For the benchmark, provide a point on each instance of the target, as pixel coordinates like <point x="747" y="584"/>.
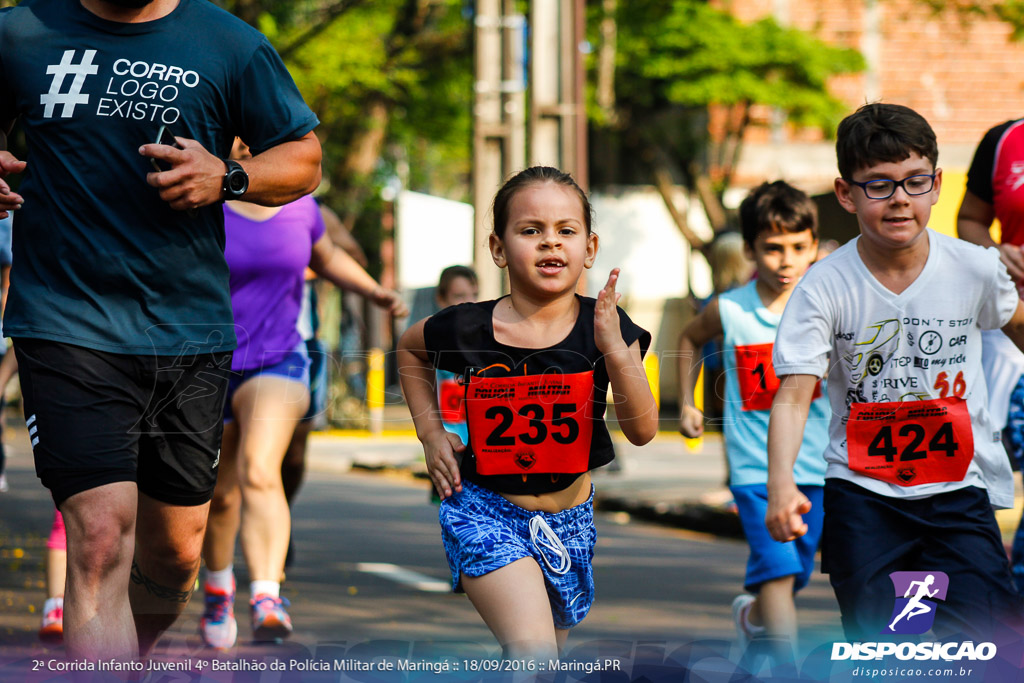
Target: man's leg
<point x="100" y="525"/>
<point x="163" y="574"/>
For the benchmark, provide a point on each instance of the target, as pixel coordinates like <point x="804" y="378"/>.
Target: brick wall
<point x="963" y="74"/>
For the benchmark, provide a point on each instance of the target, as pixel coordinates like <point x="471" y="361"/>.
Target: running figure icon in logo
<point x="908" y="608"/>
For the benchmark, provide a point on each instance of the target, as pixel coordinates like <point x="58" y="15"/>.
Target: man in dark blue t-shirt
<point x="119" y="304"/>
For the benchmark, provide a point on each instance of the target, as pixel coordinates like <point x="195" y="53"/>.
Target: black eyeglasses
<point x="883" y="189"/>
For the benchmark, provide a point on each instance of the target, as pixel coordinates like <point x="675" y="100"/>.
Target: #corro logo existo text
<point x="913" y="614"/>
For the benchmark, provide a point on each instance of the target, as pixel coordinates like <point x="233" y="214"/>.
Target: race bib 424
<point x="911" y="442"/>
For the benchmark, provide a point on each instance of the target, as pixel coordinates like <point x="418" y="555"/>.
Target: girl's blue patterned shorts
<point x="482" y="531"/>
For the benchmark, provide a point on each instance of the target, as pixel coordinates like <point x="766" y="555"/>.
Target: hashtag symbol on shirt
<point x="73" y="97"/>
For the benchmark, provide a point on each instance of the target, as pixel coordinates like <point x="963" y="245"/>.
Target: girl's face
<point x="545" y="246"/>
<point x="461" y="290"/>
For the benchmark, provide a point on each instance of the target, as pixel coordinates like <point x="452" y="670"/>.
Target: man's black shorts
<point x="97" y="418"/>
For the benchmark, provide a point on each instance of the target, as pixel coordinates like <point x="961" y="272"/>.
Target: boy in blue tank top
<point x="780" y="235"/>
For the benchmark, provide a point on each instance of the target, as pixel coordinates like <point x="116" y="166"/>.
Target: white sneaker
<point x="745" y="631"/>
<point x="4" y="486"/>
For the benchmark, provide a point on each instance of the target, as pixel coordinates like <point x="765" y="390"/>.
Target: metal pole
<point x="487" y="143"/>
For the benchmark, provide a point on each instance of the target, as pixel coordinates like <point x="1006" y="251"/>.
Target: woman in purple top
<point x="267" y="251"/>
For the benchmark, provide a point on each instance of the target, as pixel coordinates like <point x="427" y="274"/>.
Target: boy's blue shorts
<point x="482" y="532"/>
<point x="770" y="559"/>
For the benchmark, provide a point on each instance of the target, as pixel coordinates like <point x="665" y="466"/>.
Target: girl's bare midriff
<point x="577" y="493"/>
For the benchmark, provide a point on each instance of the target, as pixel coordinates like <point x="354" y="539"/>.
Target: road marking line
<point x="406" y="577"/>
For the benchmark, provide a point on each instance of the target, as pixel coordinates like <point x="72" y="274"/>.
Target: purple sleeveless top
<point x="268" y="260"/>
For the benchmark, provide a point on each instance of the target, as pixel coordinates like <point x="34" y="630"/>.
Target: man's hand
<point x="9" y="200"/>
<point x="196" y="177"/>
<point x="1012" y="257"/>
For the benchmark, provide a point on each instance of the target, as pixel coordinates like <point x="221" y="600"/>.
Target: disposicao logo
<point x="913" y="613"/>
<point x="916" y="592"/>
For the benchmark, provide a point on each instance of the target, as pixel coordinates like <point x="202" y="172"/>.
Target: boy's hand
<point x="607" y="334"/>
<point x="439" y="451"/>
<point x="785" y="509"/>
<point x="691" y="422"/>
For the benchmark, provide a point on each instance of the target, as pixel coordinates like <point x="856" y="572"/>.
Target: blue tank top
<point x="749" y="331"/>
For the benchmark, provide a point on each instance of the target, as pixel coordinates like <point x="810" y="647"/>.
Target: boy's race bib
<point x="911" y="442"/>
<point x="450" y="399"/>
<point x="756" y="377"/>
<point x="531" y="424"/>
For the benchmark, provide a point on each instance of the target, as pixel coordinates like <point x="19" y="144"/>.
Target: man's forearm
<point x="284" y="173"/>
<point x="973" y="231"/>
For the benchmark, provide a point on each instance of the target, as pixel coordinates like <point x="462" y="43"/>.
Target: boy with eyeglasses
<point x="914" y="464"/>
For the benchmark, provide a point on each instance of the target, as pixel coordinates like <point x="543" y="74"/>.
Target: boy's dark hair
<point x="532" y="175"/>
<point x="777" y="207"/>
<point x="883" y="133"/>
<point x="450" y="274"/>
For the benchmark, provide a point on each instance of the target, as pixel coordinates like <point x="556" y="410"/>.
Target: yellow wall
<point x="944" y="213"/>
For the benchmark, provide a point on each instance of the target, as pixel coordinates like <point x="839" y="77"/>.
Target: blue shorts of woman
<point x="294" y="366"/>
<point x="770" y="559"/>
<point x="482" y="532"/>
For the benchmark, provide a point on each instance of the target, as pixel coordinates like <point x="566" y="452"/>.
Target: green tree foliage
<point x="676" y="58"/>
<point x="391" y="81"/>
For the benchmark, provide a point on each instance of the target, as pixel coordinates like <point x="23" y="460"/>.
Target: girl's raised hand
<point x="607" y="334"/>
<point x="439" y="451"/>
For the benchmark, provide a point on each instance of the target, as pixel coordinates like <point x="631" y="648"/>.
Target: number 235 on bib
<point x="530" y="424"/>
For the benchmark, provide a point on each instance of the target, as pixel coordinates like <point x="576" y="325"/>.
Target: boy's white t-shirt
<point x="894" y="347"/>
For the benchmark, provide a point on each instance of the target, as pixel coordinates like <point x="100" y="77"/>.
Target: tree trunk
<point x="362" y="160"/>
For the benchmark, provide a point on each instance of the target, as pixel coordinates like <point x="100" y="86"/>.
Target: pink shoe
<point x="269" y="620"/>
<point x="52" y="630"/>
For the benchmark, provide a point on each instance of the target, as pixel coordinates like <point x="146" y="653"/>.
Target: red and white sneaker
<point x="217" y="625"/>
<point x="269" y="620"/>
<point x="52" y="630"/>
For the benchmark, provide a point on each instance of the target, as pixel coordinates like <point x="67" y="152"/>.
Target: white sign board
<point x="431" y="234"/>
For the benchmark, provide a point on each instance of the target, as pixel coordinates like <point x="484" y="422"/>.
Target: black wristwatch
<point x="236" y="180"/>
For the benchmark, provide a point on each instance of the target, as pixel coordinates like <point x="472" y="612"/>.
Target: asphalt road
<point x="370" y="584"/>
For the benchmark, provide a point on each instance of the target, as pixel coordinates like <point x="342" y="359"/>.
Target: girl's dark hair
<point x="449" y="275"/>
<point x="530" y="176"/>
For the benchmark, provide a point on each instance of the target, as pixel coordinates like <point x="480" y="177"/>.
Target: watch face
<point x="237" y="182"/>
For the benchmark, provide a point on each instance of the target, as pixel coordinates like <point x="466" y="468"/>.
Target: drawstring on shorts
<point x="544" y="538"/>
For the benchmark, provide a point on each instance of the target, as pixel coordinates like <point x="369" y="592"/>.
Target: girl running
<point x="517" y="516"/>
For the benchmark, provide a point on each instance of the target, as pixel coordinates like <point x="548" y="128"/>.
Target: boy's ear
<point x="497" y="250"/>
<point x="592" y="241"/>
<point x="937" y="187"/>
<point x="844" y="192"/>
<point x="748" y="251"/>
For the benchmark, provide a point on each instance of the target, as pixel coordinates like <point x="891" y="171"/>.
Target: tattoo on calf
<point x="156" y="590"/>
